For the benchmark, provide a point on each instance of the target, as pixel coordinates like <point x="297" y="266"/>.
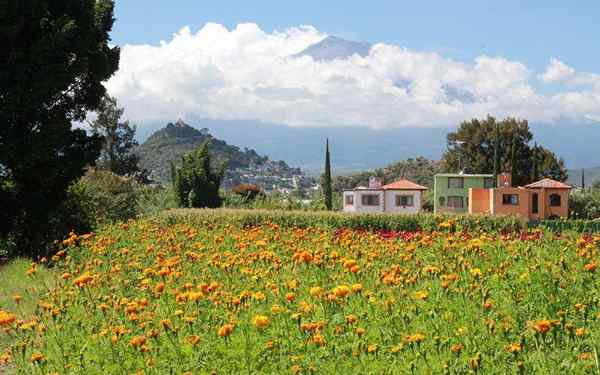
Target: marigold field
<point x="156" y="298"/>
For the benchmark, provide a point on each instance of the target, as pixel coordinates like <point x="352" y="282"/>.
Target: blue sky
<point x="530" y="31"/>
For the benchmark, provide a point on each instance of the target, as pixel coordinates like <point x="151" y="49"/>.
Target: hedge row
<point x="581" y="226"/>
<point x="335" y="220"/>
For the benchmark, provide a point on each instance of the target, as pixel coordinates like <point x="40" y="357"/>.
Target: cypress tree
<point x="513" y="158"/>
<point x="536" y="172"/>
<point x="327" y="191"/>
<point x="496" y="155"/>
<point x="583" y="179"/>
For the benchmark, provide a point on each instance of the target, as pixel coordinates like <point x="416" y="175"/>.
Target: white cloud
<point x="246" y="73"/>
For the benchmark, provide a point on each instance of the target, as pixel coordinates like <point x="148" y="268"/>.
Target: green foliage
<point x="105" y="198"/>
<point x="477" y="149"/>
<point x="196" y="182"/>
<point x="327" y="190"/>
<point x="334" y="220"/>
<point x="497" y="154"/>
<point x="419" y="170"/>
<point x="153" y="199"/>
<point x="118" y="140"/>
<point x="585" y="205"/>
<point x="55" y="57"/>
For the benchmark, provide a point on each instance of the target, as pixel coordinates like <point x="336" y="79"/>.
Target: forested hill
<point x="176" y="139"/>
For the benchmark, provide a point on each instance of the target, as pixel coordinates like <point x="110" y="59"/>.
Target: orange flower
<point x="350" y="319"/>
<point x="261" y="321"/>
<point x="290" y="297"/>
<point x="457" y="348"/>
<point x="194" y="340"/>
<point x="37" y="357"/>
<point x="226" y="330"/>
<point x="542" y="326"/>
<point x="416" y="338"/>
<point x="357" y="288"/>
<point x="316" y="291"/>
<point x="514" y="348"/>
<point x="17" y="298"/>
<point x="341" y="291"/>
<point x="7" y="318"/>
<point x="591" y="267"/>
<point x="84" y="279"/>
<point x="137" y="341"/>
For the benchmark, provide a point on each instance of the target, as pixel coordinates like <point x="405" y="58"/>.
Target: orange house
<point x="544" y="199"/>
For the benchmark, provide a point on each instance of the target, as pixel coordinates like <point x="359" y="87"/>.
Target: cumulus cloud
<point x="247" y="73"/>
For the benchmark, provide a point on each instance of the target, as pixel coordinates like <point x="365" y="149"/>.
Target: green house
<point x="451" y="190"/>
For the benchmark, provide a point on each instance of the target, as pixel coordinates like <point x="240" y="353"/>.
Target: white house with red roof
<point x="402" y="196"/>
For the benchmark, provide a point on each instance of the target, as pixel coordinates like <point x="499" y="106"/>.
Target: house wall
<point x="562" y="211"/>
<point x="345" y="207"/>
<point x="522" y="209"/>
<point x="480" y="202"/>
<point x="358" y="206"/>
<point x="442" y="190"/>
<point x="390" y="201"/>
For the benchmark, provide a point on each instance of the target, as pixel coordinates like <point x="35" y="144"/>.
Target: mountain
<point x="333" y="47"/>
<point x="168" y="144"/>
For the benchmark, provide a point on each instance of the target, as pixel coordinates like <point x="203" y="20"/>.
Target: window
<point x="535" y="203"/>
<point x="554" y="200"/>
<point x="488" y="182"/>
<point x="510" y="199"/>
<point x="404" y="201"/>
<point x="455" y="182"/>
<point x="442" y="201"/>
<point x="370" y="200"/>
<point x="349" y="200"/>
<point x="455" y="202"/>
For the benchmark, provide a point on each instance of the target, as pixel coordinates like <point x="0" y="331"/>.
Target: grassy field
<point x="20" y="294"/>
<point x="153" y="297"/>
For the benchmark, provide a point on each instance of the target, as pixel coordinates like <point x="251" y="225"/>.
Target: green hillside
<point x="591" y="175"/>
<point x="167" y="145"/>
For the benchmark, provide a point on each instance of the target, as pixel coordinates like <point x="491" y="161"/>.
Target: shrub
<point x="247" y="191"/>
<point x="102" y="197"/>
<point x="153" y="199"/>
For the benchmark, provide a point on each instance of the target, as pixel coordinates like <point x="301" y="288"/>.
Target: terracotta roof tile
<point x="403" y="185"/>
<point x="548" y="183"/>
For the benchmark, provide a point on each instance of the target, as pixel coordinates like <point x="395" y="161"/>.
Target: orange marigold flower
<point x="372" y="348"/>
<point x="260" y="321"/>
<point x="542" y="326"/>
<point x="137" y="341"/>
<point x="194" y="340"/>
<point x="84" y="279"/>
<point x="290" y="297"/>
<point x="159" y="288"/>
<point x="17" y="298"/>
<point x="416" y="338"/>
<point x="37" y="357"/>
<point x="350" y="319"/>
<point x="318" y="339"/>
<point x="7" y="318"/>
<point x="457" y="348"/>
<point x="591" y="267"/>
<point x="357" y="288"/>
<point x="514" y="348"/>
<point x="341" y="291"/>
<point x="226" y="330"/>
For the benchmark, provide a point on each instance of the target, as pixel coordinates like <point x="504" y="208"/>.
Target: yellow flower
<point x="316" y="291"/>
<point x="276" y="309"/>
<point x="416" y="338"/>
<point x="514" y="348"/>
<point x="421" y="295"/>
<point x="261" y="321"/>
<point x="357" y="288"/>
<point x="372" y="348"/>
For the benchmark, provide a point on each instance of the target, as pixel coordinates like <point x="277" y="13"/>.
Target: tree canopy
<point x="474" y="143"/>
<point x="54" y="59"/>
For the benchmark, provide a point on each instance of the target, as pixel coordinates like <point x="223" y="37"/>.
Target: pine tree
<point x="327" y="191"/>
<point x="583" y="179"/>
<point x="496" y="155"/>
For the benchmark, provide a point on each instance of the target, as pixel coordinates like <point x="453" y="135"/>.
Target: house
<point x="544" y="199"/>
<point x="451" y="190"/>
<point x="402" y="196"/>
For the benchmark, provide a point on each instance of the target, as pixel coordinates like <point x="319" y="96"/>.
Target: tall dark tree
<point x="583" y="179"/>
<point x="478" y="149"/>
<point x="327" y="189"/>
<point x="535" y="161"/>
<point x="496" y="154"/>
<point x="513" y="158"/>
<point x="118" y="139"/>
<point x="54" y="58"/>
<point x="196" y="181"/>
